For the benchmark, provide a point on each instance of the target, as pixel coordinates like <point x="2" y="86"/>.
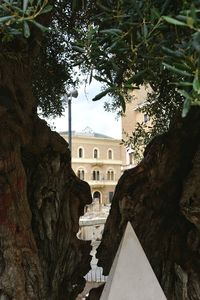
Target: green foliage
<point x="121" y="43"/>
<point x="23" y="21"/>
<point x="57" y="57"/>
<point x="184" y="58"/>
<point x="16" y="17"/>
<point x="140" y="136"/>
<point x="130" y="43"/>
<point x="160" y="111"/>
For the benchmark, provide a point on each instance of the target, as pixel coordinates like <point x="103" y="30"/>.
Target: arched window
<point x="96" y="196"/>
<point x="80" y="152"/>
<point x="95" y="153"/>
<point x="110" y="175"/>
<point x="110" y="154"/>
<point x="81" y="174"/>
<point x="96" y="175"/>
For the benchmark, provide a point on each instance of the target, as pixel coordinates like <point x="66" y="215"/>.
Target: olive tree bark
<point x="41" y="199"/>
<point x="161" y="199"/>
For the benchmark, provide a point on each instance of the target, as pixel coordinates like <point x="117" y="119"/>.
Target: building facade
<point x="97" y="159"/>
<point x="129" y="121"/>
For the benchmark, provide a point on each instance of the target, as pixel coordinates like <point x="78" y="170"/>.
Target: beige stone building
<point x="130" y="119"/>
<point x="97" y="159"/>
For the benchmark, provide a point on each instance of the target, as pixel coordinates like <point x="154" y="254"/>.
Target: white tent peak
<point x="131" y="276"/>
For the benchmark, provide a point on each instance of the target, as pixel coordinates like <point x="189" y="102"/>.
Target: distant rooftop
<point x="89" y="133"/>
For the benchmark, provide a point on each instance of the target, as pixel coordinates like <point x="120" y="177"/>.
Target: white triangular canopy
<point x="131" y="276"/>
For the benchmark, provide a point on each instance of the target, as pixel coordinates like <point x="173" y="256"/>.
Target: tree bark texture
<point x="41" y="199"/>
<point x="161" y="199"/>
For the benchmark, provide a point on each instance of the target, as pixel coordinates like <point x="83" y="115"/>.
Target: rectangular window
<point x="110" y="154"/>
<point x="80" y="152"/>
<point x="95" y="153"/>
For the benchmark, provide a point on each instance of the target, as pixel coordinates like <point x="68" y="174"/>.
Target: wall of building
<point x="130" y="119"/>
<point x="132" y="116"/>
<point x="98" y="162"/>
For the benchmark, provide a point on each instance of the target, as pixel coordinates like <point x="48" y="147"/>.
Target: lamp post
<point x="68" y="97"/>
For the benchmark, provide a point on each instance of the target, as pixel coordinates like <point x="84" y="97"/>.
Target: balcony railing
<point x="96" y="275"/>
<point x="98" y="183"/>
<point x="97" y="162"/>
<point x="101" y="183"/>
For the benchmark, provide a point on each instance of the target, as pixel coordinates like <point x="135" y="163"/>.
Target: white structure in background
<point x="93" y="221"/>
<point x="91" y="228"/>
<point x="131" y="276"/>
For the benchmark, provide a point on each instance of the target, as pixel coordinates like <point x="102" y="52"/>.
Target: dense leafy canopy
<point x="130" y="43"/>
<point x="126" y="38"/>
<point x="24" y="21"/>
<point x="121" y="43"/>
<point x="69" y="20"/>
<point x="16" y="17"/>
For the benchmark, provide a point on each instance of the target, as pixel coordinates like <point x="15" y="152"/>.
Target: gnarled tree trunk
<point x="41" y="199"/>
<point x="161" y="199"/>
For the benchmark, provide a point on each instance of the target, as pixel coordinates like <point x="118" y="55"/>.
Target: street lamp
<point x="68" y="98"/>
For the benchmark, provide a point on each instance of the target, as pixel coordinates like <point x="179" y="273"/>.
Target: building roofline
<point x="90" y="136"/>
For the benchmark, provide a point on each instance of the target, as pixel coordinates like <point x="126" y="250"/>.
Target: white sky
<point x="86" y="112"/>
